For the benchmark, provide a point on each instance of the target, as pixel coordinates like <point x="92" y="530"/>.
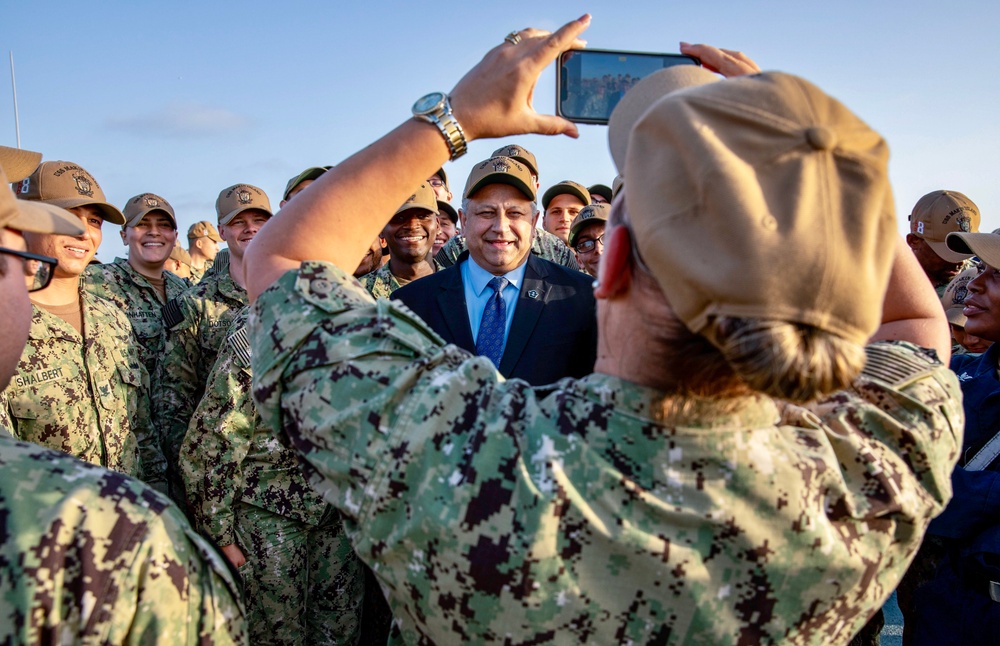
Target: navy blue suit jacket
<point x="554" y="331"/>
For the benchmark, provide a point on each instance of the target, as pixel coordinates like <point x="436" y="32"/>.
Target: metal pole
<point x="13" y="85"/>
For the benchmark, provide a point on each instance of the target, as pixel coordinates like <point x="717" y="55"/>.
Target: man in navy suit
<point x="545" y="328"/>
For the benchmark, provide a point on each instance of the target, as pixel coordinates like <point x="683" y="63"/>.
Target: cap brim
<point x="310" y="173"/>
<point x="564" y="189"/>
<point x="108" y="212"/>
<point x="501" y="178"/>
<point x="226" y="219"/>
<point x="643" y="95"/>
<point x="955" y="316"/>
<point x="18" y="164"/>
<point x="963" y="245"/>
<point x="139" y="216"/>
<point x="40" y="217"/>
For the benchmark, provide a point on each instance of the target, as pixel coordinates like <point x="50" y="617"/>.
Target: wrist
<point x="435" y="108"/>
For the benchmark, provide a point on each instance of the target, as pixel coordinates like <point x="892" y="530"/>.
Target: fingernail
<point x="585" y="17"/>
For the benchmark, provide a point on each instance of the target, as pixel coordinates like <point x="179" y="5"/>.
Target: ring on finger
<point x="513" y="37"/>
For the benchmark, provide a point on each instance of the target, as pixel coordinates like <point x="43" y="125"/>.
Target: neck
<point x="236" y="269"/>
<point x="149" y="271"/>
<point x="61" y="291"/>
<point x="197" y="260"/>
<point x="408" y="271"/>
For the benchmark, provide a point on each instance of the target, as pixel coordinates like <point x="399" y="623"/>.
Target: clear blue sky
<point x="183" y="99"/>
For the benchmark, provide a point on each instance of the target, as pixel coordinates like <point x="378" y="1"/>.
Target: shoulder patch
<point x="172" y="314"/>
<point x="898" y="363"/>
<point x="239" y="343"/>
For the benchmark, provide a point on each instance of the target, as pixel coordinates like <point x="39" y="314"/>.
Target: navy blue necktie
<point x="490" y="341"/>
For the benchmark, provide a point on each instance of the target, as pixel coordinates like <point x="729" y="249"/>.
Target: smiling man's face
<point x="73" y="252"/>
<point x="410" y="235"/>
<point x="498" y="223"/>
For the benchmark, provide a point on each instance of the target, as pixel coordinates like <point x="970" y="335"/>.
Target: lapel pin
<point x="532" y="293"/>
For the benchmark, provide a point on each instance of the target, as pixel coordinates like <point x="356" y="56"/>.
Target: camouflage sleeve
<point x="907" y="407"/>
<point x="154" y="463"/>
<point x="217" y="442"/>
<point x="6" y="419"/>
<point x="551" y="247"/>
<point x="449" y="253"/>
<point x="177" y="397"/>
<point x="110" y="560"/>
<point x="312" y="342"/>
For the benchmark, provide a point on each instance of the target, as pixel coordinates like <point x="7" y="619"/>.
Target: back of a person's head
<point x="762" y="209"/>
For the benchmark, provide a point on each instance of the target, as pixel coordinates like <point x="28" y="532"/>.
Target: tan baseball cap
<point x="953" y="299"/>
<point x="566" y="187"/>
<point x="309" y="173"/>
<point x="519" y="153"/>
<point x="939" y="213"/>
<point x="239" y="198"/>
<point x="137" y="207"/>
<point x="35" y="217"/>
<point x="500" y="170"/>
<point x="644" y="94"/>
<point x="617" y="185"/>
<point x="203" y="229"/>
<point x="67" y="185"/>
<point x="18" y="163"/>
<point x="984" y="245"/>
<point x="763" y="197"/>
<point x="423" y="198"/>
<point x="597" y="212"/>
<point x="181" y="255"/>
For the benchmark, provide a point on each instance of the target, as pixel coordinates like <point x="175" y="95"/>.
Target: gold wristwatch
<point x="436" y="108"/>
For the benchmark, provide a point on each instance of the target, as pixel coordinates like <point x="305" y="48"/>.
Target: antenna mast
<point x="13" y="85"/>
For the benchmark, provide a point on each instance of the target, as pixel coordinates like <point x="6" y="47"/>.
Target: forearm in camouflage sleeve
<point x="6" y="419"/>
<point x="178" y="393"/>
<point x="217" y="441"/>
<point x="154" y="463"/>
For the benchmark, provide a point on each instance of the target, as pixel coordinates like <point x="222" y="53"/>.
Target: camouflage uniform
<point x="197" y="274"/>
<point x="543" y="244"/>
<point x="196" y="323"/>
<point x="119" y="283"/>
<point x="597" y="510"/>
<point x="381" y="283"/>
<point x="88" y="556"/>
<point x="303" y="583"/>
<point x="88" y="397"/>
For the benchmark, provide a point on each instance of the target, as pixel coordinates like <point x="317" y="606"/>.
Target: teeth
<point x="77" y="249"/>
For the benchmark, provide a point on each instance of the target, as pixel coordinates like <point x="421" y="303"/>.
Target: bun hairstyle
<point x="790" y="361"/>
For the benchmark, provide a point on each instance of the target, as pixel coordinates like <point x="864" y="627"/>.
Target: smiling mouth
<point x="77" y="250"/>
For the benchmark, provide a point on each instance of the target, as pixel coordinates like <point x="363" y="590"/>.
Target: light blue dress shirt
<point x="475" y="281"/>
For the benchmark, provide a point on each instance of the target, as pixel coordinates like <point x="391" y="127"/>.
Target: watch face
<point x="428" y="102"/>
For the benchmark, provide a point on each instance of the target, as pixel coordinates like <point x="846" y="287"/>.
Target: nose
<point x="976" y="284"/>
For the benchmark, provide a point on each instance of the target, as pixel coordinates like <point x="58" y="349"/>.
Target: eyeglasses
<point x="589" y="245"/>
<point x="37" y="269"/>
<point x="435" y="182"/>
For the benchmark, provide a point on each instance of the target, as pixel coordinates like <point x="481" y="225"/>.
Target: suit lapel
<point x="452" y="308"/>
<point x="530" y="303"/>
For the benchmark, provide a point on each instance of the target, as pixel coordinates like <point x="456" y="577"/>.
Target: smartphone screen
<point x="590" y="82"/>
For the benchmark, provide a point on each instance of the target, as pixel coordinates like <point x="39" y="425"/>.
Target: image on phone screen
<point x="591" y="82"/>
